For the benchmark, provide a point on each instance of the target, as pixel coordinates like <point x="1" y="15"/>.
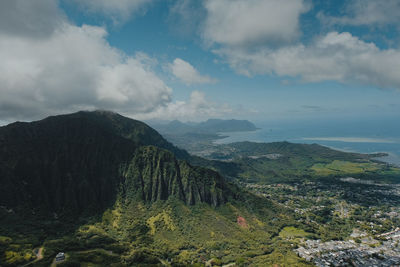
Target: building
<point x="60" y="256"/>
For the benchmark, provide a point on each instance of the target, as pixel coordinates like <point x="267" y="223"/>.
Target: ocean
<point x="349" y="134"/>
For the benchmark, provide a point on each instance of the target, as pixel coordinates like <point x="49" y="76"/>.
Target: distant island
<point x="197" y="136"/>
<point x="102" y="189"/>
<point x="211" y="126"/>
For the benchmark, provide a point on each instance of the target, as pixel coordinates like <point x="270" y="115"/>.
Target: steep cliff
<point x="155" y="174"/>
<point x="81" y="162"/>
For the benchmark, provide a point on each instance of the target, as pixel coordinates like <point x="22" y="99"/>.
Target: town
<point x="364" y="253"/>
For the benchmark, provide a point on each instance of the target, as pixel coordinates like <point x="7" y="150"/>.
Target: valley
<point x="212" y="133"/>
<point x="341" y="220"/>
<point x="125" y="196"/>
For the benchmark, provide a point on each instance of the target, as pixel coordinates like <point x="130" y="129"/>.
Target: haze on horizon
<point x="193" y="60"/>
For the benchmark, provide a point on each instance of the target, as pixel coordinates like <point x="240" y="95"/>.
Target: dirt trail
<point x="39" y="256"/>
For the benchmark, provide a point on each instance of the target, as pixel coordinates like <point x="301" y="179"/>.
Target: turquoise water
<point x="354" y="135"/>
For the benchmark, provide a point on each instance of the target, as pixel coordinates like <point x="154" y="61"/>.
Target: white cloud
<point x="261" y="37"/>
<point x="198" y="107"/>
<point x="29" y="18"/>
<point x="366" y="12"/>
<point x="185" y="16"/>
<point x="252" y="22"/>
<point x="185" y="72"/>
<point x="335" y="56"/>
<point x="117" y="10"/>
<point x="70" y="68"/>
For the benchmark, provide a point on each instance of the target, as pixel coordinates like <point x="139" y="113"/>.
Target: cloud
<point x="185" y="72"/>
<point x="70" y="68"/>
<point x="118" y="11"/>
<point x="29" y="18"/>
<point x="262" y="37"/>
<point x="185" y="16"/>
<point x="336" y="56"/>
<point x="251" y="23"/>
<point x="198" y="107"/>
<point x="366" y="12"/>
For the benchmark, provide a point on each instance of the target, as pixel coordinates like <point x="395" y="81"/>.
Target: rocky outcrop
<point x="154" y="174"/>
<point x="80" y="162"/>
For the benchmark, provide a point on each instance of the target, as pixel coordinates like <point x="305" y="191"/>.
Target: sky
<point x="192" y="60"/>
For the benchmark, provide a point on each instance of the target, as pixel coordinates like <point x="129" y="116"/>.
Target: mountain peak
<point x="80" y="162"/>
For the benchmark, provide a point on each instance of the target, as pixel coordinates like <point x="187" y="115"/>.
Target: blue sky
<point x="192" y="60"/>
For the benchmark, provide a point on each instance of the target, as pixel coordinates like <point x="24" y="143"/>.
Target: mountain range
<point x="100" y="181"/>
<point x="108" y="190"/>
<point x="211" y="126"/>
<point x="83" y="160"/>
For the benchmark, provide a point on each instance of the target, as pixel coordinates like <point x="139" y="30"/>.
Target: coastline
<point x="390" y="158"/>
<point x="336" y="143"/>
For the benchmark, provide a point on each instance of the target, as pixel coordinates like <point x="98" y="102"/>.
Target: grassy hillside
<point x="288" y="162"/>
<point x="168" y="232"/>
<point x="109" y="190"/>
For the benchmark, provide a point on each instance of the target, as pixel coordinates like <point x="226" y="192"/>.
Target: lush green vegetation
<point x="172" y="232"/>
<point x="107" y="190"/>
<point x="344" y="167"/>
<point x="287" y="162"/>
<point x="165" y="231"/>
<point x="100" y="194"/>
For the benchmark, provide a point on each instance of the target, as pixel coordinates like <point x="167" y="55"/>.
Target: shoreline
<point x="389" y="158"/>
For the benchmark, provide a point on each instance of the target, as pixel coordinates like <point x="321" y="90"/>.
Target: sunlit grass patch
<point x="344" y="167"/>
<point x="292" y="232"/>
<point x="159" y="218"/>
<point x="5" y="240"/>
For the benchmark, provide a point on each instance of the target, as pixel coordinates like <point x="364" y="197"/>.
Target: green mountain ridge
<point x="111" y="191"/>
<point x="155" y="174"/>
<point x="76" y="162"/>
<point x="108" y="190"/>
<point x="211" y="126"/>
<point x="288" y="162"/>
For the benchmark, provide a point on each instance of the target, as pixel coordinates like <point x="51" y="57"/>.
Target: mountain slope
<point x="64" y="162"/>
<point x="108" y="190"/>
<point x="155" y="174"/>
<point x="75" y="162"/>
<point x="140" y="133"/>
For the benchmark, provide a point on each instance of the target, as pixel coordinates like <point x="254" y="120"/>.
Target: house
<point x="60" y="256"/>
